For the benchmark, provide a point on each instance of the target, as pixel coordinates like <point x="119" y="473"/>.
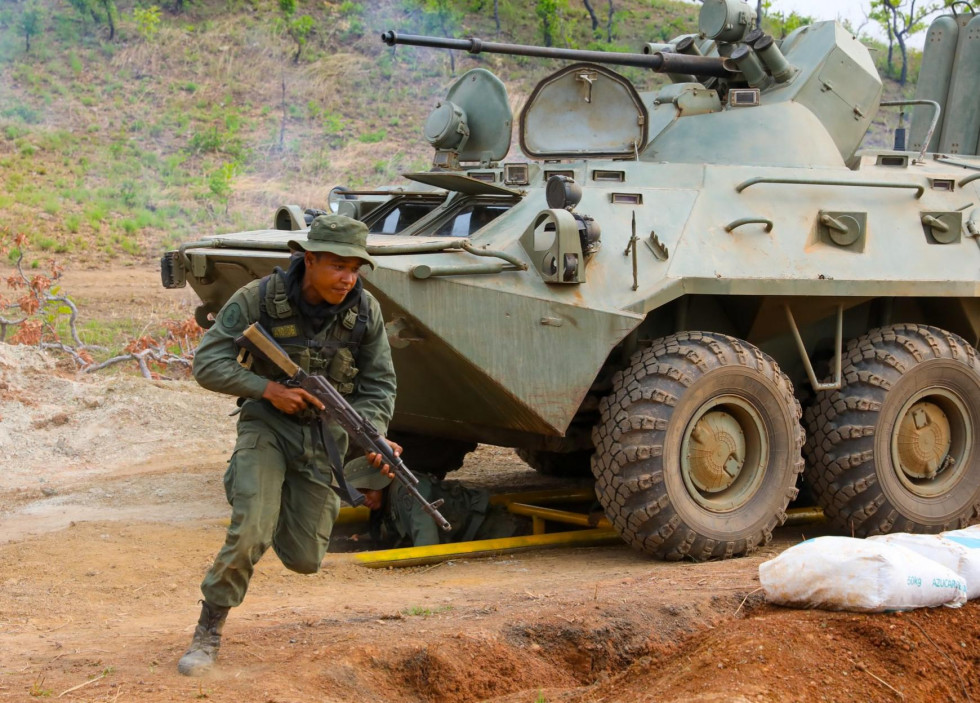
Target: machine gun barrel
<point x="660" y="61"/>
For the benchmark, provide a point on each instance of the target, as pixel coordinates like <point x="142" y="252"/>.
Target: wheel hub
<point x="932" y="442"/>
<point x="717" y="451"/>
<point x="724" y="453"/>
<point x="924" y="440"/>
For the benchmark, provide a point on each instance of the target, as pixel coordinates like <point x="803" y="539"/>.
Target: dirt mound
<point x="775" y="654"/>
<point x="60" y="426"/>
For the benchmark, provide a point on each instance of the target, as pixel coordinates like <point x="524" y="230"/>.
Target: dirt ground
<point x="111" y="509"/>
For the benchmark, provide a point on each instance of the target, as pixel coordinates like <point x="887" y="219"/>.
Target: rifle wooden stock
<point x="261" y="344"/>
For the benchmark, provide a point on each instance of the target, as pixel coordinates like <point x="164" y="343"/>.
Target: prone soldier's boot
<point x="203" y="652"/>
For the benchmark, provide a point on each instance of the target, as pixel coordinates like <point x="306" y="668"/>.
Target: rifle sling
<point x="347" y="493"/>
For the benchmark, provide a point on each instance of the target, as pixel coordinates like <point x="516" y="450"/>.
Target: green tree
<point x="86" y="8"/>
<point x="441" y="17"/>
<point x="609" y="22"/>
<point x="901" y="19"/>
<point x="147" y="21"/>
<point x="109" y="7"/>
<point x="549" y="13"/>
<point x="219" y="182"/>
<point x="779" y="23"/>
<point x="101" y="12"/>
<point x="880" y="16"/>
<point x="593" y="17"/>
<point x="298" y="28"/>
<point x="30" y="23"/>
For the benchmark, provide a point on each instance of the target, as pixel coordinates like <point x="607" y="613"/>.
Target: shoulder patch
<point x="231" y="316"/>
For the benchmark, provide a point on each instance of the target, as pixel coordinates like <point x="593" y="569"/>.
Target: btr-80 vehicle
<point x="707" y="294"/>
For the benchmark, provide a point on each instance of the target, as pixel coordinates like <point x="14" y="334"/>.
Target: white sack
<point x="967" y="532"/>
<point x="948" y="549"/>
<point x="843" y="573"/>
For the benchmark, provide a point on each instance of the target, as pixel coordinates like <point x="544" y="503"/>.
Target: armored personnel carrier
<point x="707" y="295"/>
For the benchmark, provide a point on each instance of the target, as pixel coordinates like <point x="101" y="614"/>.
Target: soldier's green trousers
<point x="276" y="500"/>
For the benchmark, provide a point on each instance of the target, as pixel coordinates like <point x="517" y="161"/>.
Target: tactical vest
<point x="331" y="352"/>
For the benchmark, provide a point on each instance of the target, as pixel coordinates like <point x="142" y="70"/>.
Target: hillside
<point x="207" y="119"/>
<point x="205" y="122"/>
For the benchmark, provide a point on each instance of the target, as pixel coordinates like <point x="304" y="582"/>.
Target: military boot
<point x="203" y="652"/>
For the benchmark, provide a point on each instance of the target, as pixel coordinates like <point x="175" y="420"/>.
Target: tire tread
<point x="840" y="427"/>
<point x="634" y="419"/>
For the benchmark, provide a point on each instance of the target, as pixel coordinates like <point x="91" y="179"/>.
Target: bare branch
<point x="43" y="303"/>
<point x="107" y="363"/>
<point x="58" y="346"/>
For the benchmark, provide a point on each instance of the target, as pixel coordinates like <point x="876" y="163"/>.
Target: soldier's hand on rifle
<point x="290" y="400"/>
<point x="375" y="459"/>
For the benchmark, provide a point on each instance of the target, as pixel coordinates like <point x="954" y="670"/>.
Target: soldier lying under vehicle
<point x="403" y="523"/>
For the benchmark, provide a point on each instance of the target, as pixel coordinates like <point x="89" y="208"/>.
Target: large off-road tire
<point x="567" y="464"/>
<point x="894" y="450"/>
<point x="698" y="448"/>
<point x="431" y="455"/>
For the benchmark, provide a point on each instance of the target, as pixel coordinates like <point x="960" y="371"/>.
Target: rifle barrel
<point x="660" y="62"/>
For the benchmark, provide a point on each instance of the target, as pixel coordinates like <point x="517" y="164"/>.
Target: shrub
<point x="373" y="137"/>
<point x="147" y="21"/>
<point x="73" y="223"/>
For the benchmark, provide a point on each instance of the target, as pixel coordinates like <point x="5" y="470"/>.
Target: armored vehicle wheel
<point x="568" y="464"/>
<point x="431" y="455"/>
<point x="894" y="449"/>
<point x="698" y="448"/>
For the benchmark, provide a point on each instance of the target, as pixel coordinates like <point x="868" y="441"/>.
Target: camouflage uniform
<point x="468" y="510"/>
<point x="277" y="496"/>
<point x="277" y="480"/>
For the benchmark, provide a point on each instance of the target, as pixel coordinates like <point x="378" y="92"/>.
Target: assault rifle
<point x="261" y="345"/>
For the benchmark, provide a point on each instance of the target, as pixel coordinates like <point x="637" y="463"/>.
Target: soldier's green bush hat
<point x="360" y="474"/>
<point x="338" y="235"/>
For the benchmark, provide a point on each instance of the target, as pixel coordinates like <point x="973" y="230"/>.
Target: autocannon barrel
<point x="660" y="62"/>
